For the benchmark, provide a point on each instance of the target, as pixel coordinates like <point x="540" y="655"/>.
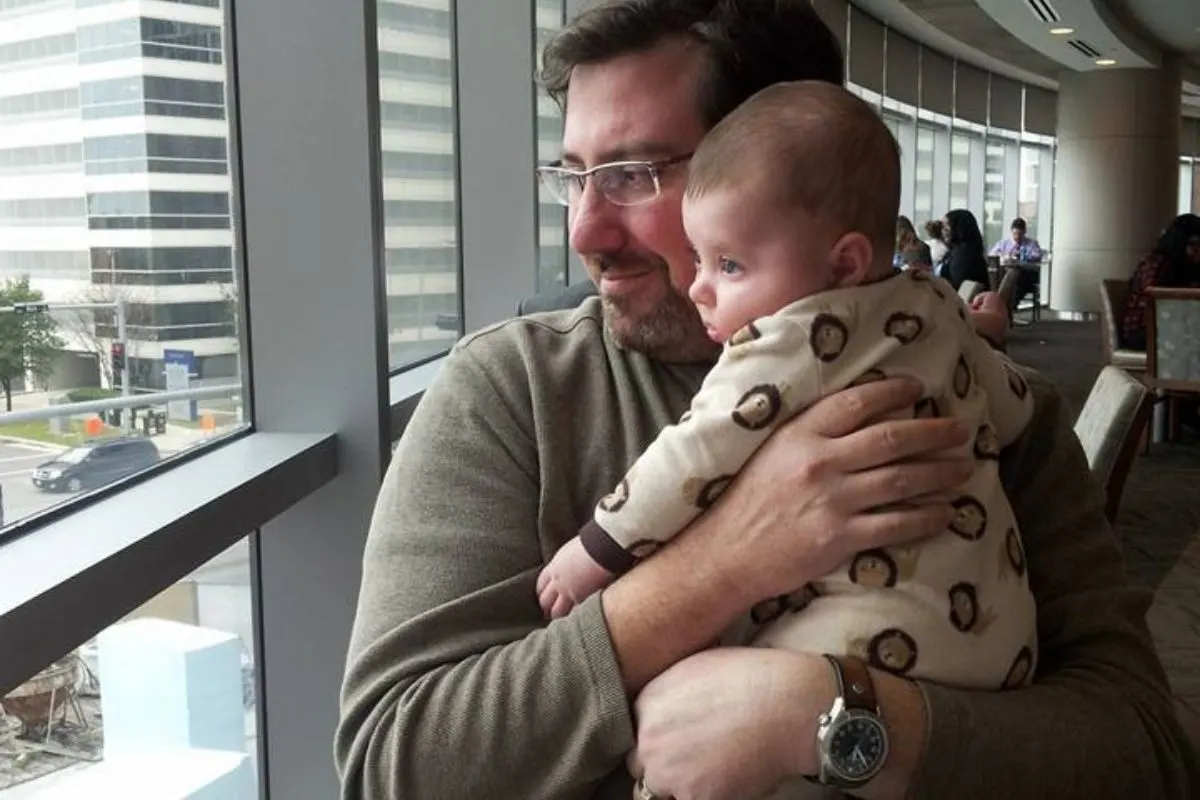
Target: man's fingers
<point x="898" y="527"/>
<point x="895" y="440"/>
<point x="899" y="483"/>
<point x="848" y="410"/>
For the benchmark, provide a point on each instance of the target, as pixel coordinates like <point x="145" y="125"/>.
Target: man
<point x="1022" y="250"/>
<point x="457" y="687"/>
<point x="1018" y="247"/>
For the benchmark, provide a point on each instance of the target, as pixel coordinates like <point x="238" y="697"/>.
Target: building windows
<point x="420" y="179"/>
<point x="156" y="152"/>
<point x="40" y="106"/>
<point x="162" y="210"/>
<point x="44" y="264"/>
<point x="161" y="266"/>
<point x="153" y="95"/>
<point x="41" y="158"/>
<point x="152" y="38"/>
<point x="551" y="217"/>
<point x="40" y="52"/>
<point x="49" y="212"/>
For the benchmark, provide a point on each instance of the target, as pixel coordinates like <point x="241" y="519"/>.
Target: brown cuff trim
<point x="605" y="550"/>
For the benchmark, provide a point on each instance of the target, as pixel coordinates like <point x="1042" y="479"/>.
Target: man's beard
<point x="670" y="331"/>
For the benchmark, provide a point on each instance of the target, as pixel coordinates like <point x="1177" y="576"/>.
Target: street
<point x="17" y="462"/>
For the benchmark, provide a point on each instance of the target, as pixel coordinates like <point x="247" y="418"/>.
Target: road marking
<point x="18" y="472"/>
<point x="33" y="448"/>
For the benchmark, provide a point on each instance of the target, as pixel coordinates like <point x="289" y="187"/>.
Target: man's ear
<point x="850" y="260"/>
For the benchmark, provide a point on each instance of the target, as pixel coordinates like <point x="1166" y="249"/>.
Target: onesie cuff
<point x="605" y="550"/>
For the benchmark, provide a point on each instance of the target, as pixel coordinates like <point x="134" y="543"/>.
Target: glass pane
<point x="993" y="222"/>
<point x="1030" y="189"/>
<point x="420" y="186"/>
<point x="960" y="171"/>
<point x="119" y="310"/>
<point x="923" y="194"/>
<point x="549" y="16"/>
<point x="163" y="700"/>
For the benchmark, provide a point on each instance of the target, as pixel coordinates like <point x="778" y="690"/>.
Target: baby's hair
<point x="817" y="148"/>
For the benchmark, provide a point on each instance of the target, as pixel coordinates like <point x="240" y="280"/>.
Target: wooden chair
<point x="1109" y="426"/>
<point x="1114" y="294"/>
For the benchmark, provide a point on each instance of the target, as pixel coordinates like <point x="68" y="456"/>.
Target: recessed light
<point x="1105" y="62"/>
<point x="1062" y="31"/>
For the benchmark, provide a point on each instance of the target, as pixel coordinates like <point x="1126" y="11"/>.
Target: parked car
<point x="95" y="464"/>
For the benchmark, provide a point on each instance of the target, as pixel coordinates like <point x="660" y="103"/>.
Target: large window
<point x="552" y="217"/>
<point x="163" y="699"/>
<point x="119" y="324"/>
<point x="420" y="178"/>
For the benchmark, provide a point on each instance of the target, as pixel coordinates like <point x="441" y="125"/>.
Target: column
<point x="1116" y="177"/>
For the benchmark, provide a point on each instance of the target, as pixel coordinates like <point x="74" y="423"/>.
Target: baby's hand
<point x="570" y="578"/>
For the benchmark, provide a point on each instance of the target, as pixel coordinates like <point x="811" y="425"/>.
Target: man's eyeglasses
<point x="622" y="183"/>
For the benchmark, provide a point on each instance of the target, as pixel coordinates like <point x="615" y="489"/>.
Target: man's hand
<point x="809" y="499"/>
<point x="836" y="481"/>
<point x="730" y="724"/>
<point x="990" y="315"/>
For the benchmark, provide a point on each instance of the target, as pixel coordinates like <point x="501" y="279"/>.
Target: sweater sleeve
<point x="455" y="686"/>
<point x="1099" y="720"/>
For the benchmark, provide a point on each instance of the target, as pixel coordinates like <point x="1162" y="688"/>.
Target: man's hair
<point x="750" y="44"/>
<point x="1018" y="224"/>
<point x="815" y="147"/>
<point x="934" y="228"/>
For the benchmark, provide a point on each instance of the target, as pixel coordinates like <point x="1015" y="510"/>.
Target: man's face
<point x="1193" y="249"/>
<point x="1017" y="234"/>
<point x="639" y="107"/>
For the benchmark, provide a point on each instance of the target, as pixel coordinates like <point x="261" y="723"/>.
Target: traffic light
<point x="118" y="357"/>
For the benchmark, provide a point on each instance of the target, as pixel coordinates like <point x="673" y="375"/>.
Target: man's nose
<point x="595" y="224"/>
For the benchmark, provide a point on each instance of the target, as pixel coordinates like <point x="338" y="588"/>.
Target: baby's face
<point x="751" y="260"/>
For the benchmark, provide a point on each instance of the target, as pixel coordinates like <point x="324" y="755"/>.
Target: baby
<point x="790" y="206"/>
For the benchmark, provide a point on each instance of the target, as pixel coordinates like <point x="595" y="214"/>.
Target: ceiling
<point x="1007" y="36"/>
<point x="1011" y="37"/>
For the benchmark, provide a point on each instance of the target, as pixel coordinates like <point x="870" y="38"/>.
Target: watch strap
<point x="854" y="683"/>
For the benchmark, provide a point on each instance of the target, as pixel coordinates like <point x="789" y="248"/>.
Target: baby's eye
<point x="695" y="255"/>
<point x="730" y="267"/>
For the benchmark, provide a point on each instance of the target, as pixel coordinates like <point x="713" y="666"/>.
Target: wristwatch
<point x="852" y="739"/>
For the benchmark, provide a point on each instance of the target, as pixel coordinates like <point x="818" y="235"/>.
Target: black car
<point x="95" y="464"/>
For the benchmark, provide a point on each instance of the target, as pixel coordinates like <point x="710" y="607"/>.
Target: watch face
<point x="858" y="747"/>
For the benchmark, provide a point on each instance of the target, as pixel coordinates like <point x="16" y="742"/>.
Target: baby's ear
<point x="850" y="260"/>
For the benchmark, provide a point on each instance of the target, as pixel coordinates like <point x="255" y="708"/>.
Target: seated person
<point x="794" y="279"/>
<point x="1018" y="247"/>
<point x="1174" y="261"/>
<point x="911" y="252"/>
<point x="936" y="241"/>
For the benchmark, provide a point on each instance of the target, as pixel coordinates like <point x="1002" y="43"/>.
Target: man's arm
<point x="455" y="686"/>
<point x="1099" y="719"/>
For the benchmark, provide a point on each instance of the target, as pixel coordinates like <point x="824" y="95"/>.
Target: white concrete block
<point x="162" y="774"/>
<point x="167" y="684"/>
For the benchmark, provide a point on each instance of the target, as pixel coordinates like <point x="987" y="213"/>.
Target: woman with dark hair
<point x="965" y="259"/>
<point x="911" y="252"/>
<point x="1174" y="261"/>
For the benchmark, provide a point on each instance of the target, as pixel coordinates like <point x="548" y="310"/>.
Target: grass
<point x="39" y="430"/>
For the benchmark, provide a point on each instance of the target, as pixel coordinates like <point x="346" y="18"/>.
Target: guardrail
<point x="132" y="401"/>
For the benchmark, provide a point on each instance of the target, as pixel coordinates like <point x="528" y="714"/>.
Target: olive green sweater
<point x="457" y="688"/>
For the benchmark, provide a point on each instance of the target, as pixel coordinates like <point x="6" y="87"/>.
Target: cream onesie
<point x="955" y="608"/>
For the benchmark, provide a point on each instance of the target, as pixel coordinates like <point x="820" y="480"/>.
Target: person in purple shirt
<point x="1018" y="247"/>
<point x="1023" y="250"/>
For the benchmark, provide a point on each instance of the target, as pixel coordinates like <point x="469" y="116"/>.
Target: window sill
<point x="107" y="558"/>
<point x="405" y="390"/>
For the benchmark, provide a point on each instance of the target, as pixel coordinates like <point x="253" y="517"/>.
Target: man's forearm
<point x="672" y="605"/>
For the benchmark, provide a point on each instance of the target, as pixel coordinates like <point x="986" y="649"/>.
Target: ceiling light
<point x="1062" y="31"/>
<point x="1105" y="62"/>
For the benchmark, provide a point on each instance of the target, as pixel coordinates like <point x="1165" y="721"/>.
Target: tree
<point x="29" y="342"/>
<point x="94" y="330"/>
